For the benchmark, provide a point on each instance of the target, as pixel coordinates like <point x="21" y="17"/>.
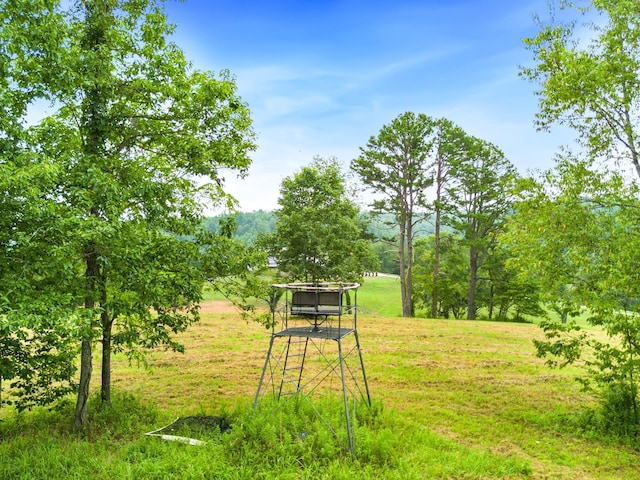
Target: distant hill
<point x="261" y="221"/>
<point x="383" y="226"/>
<point x="249" y="225"/>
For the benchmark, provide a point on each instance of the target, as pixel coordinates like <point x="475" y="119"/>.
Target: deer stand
<point x="314" y="342"/>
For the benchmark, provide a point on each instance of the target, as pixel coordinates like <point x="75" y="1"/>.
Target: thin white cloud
<point x="411" y="62"/>
<point x="322" y="79"/>
<point x="286" y="105"/>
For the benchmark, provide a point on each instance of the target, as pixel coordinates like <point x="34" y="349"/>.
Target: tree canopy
<point x="319" y="233"/>
<point x="587" y="69"/>
<point x="575" y="229"/>
<point x="132" y="152"/>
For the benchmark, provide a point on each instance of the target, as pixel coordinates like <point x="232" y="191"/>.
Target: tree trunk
<point x="107" y="324"/>
<point x="80" y="422"/>
<point x="407" y="307"/>
<point x="473" y="280"/>
<point x="105" y="391"/>
<point x="491" y="293"/>
<point x="436" y="266"/>
<point x="436" y="244"/>
<point x="406" y="300"/>
<point x="91" y="273"/>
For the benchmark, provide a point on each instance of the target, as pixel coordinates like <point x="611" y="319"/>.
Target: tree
<point x="576" y="233"/>
<point x="450" y="146"/>
<point x="576" y="228"/>
<point x="134" y="132"/>
<point x="478" y="200"/>
<point x="387" y="253"/>
<point x="397" y="166"/>
<point x="509" y="292"/>
<point x="592" y="86"/>
<point x="36" y="352"/>
<point x="319" y="232"/>
<point x="453" y="275"/>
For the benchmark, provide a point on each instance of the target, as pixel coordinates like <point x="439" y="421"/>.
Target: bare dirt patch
<point x="217" y="306"/>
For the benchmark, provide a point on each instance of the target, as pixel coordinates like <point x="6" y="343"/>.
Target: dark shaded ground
<point x="196" y="425"/>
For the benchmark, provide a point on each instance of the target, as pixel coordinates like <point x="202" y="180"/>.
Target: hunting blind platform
<point x="314" y="341"/>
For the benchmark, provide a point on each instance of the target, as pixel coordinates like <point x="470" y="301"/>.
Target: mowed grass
<point x="380" y="296"/>
<point x="452" y="399"/>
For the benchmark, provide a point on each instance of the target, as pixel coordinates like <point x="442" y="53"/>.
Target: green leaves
<point x="319" y="235"/>
<point x="36" y="357"/>
<point x="577" y="234"/>
<point x="592" y="84"/>
<point x="564" y="341"/>
<point x="396" y="163"/>
<point x="104" y="196"/>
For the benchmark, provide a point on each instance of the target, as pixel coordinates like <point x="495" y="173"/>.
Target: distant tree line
<point x="250" y="225"/>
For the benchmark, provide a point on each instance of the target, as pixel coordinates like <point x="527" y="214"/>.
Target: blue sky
<point x="321" y="77"/>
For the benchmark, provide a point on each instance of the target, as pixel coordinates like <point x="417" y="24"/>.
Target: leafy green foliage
<point x="578" y="238"/>
<point x="396" y="166"/>
<point x="510" y="296"/>
<point x="453" y="277"/>
<point x="588" y="74"/>
<point x="505" y="296"/>
<point x="576" y="229"/>
<point x="249" y="225"/>
<point x="319" y="234"/>
<point x="105" y="195"/>
<point x="36" y="358"/>
<point x="35" y="352"/>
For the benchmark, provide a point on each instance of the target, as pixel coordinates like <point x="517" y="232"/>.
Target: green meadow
<point x="452" y="399"/>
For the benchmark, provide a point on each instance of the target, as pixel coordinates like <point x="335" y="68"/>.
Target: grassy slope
<point x="459" y="399"/>
<point x="380" y="296"/>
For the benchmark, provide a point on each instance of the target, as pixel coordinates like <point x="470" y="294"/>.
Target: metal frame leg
<point x="264" y="370"/>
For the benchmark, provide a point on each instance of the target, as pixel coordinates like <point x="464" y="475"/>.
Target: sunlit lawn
<point x="476" y="383"/>
<point x="459" y="399"/>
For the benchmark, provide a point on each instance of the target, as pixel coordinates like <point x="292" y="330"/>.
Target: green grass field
<point x="451" y="400"/>
<point x="380" y="296"/>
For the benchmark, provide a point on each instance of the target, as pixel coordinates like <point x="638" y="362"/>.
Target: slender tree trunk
<point x="491" y="290"/>
<point x="406" y="300"/>
<point x="107" y="324"/>
<point x="436" y="266"/>
<point x="80" y="422"/>
<point x="105" y="391"/>
<point x="436" y="244"/>
<point x="407" y="307"/>
<point x="86" y="367"/>
<point x="473" y="280"/>
<point x="631" y="141"/>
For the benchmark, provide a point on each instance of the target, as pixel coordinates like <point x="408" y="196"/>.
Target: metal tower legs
<point x="286" y="369"/>
<point x="264" y="371"/>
